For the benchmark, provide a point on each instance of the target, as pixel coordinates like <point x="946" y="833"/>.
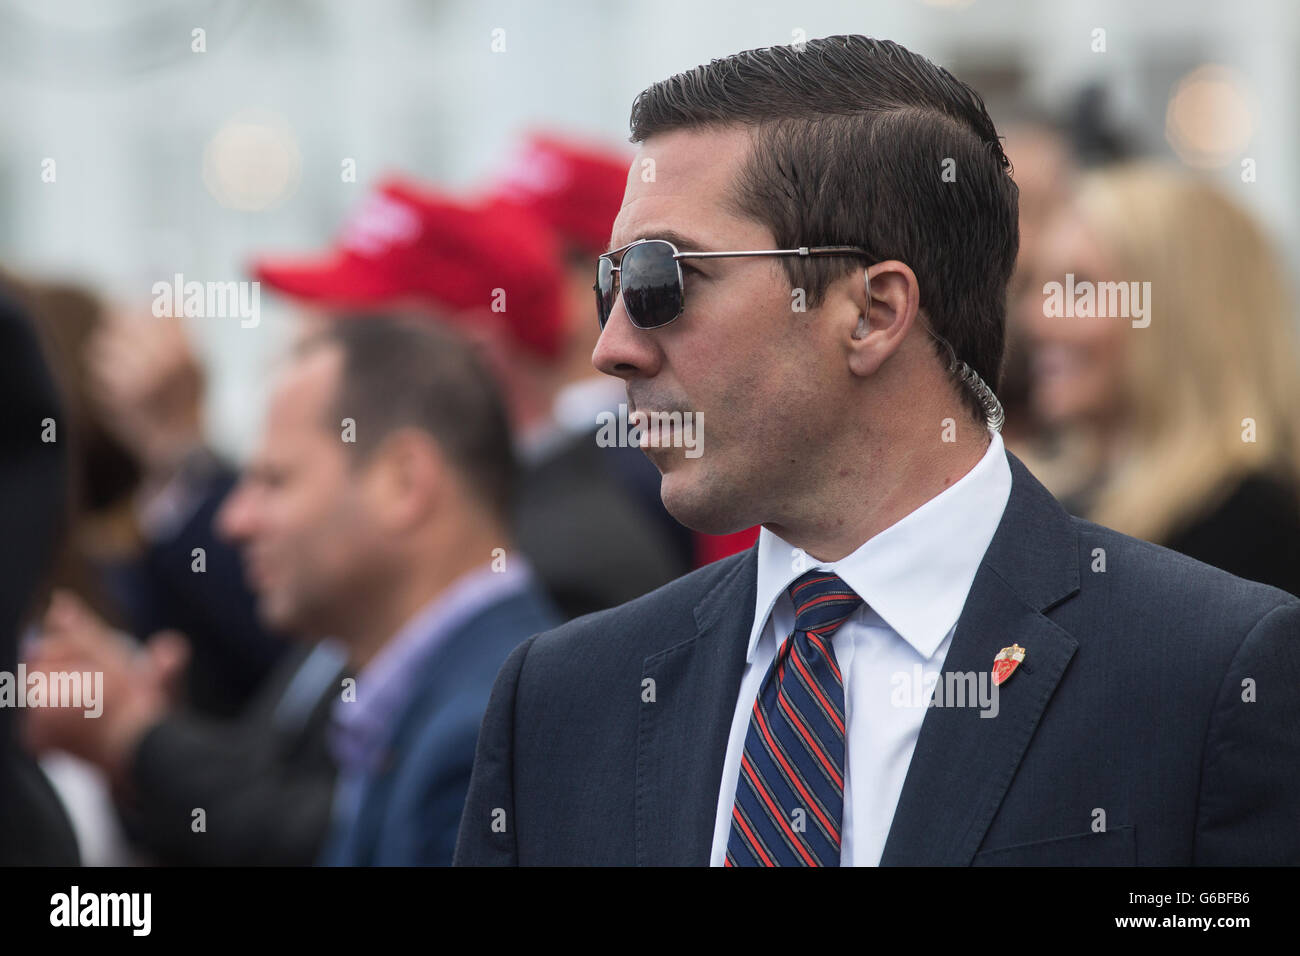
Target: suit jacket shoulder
<point x="643" y="626"/>
<point x="412" y="808"/>
<point x="1160" y="589"/>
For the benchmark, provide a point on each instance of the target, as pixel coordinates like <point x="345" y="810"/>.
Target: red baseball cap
<point x="575" y="188"/>
<point x="465" y="260"/>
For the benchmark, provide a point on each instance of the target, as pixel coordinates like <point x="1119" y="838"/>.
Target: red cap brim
<point x="337" y="280"/>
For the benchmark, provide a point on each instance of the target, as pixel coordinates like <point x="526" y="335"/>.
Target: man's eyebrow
<point x="682" y="242"/>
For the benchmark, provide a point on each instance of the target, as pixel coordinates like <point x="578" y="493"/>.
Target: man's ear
<point x="491" y="342"/>
<point x="407" y="478"/>
<point x="887" y="302"/>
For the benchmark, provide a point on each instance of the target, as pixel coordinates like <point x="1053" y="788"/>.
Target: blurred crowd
<point x="296" y="652"/>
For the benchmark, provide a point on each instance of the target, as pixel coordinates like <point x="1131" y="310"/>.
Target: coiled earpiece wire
<point x="993" y="413"/>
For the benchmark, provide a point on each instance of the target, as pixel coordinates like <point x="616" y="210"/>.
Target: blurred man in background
<point x="494" y="270"/>
<point x="376" y="510"/>
<point x="576" y="188"/>
<point x="396" y="539"/>
<point x="144" y="487"/>
<point x="139" y="548"/>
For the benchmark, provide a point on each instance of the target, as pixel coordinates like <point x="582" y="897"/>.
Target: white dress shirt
<point x="913" y="577"/>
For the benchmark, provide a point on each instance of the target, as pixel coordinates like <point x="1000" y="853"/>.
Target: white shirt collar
<point x="917" y="572"/>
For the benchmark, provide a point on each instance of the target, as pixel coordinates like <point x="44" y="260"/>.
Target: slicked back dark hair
<point x="401" y="372"/>
<point x="852" y="137"/>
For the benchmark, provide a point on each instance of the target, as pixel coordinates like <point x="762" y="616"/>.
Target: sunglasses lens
<point x="651" y="283"/>
<point x="605" y="291"/>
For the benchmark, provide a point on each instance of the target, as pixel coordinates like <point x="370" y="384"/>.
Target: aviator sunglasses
<point x="649" y="277"/>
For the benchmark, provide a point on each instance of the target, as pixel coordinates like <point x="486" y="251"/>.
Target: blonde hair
<point x="1221" y="348"/>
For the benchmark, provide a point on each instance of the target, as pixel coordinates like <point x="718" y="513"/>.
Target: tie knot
<point x="822" y="602"/>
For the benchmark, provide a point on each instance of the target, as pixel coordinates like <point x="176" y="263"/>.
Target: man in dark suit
<point x="923" y="659"/>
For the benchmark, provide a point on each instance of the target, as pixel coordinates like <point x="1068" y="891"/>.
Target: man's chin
<point x="687" y="497"/>
<point x="278" y="616"/>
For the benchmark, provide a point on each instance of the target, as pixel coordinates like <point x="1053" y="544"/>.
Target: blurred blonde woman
<point x="1185" y="432"/>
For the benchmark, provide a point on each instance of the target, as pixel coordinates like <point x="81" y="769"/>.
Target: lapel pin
<point x="1005" y="664"/>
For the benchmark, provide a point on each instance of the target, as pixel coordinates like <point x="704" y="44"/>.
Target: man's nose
<point x="625" y="351"/>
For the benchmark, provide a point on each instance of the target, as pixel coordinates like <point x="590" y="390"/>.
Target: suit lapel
<point x="682" y="735"/>
<point x="963" y="763"/>
<point x="424" y="694"/>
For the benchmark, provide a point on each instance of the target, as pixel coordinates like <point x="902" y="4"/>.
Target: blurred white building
<point x="142" y="138"/>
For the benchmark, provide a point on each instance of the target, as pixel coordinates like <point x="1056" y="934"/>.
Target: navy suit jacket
<point x="409" y="810"/>
<point x="1155" y="719"/>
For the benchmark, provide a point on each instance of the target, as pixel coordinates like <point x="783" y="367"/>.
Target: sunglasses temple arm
<point x="804" y="251"/>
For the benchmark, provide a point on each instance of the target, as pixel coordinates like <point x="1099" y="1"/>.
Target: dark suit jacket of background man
<point x="265" y="781"/>
<point x="1129" y="701"/>
<point x="593" y="544"/>
<point x="409" y="809"/>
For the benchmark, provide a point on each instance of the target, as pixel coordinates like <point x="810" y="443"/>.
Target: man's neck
<point x="421" y="582"/>
<point x="856" y="510"/>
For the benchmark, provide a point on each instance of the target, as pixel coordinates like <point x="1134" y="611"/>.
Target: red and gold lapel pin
<point x="1005" y="664"/>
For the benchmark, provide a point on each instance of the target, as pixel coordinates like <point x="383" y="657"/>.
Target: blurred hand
<point x="169" y="655"/>
<point x="134" y="693"/>
<point x="147" y="382"/>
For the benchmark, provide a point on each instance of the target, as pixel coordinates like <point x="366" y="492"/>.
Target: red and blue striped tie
<point x="790" y="794"/>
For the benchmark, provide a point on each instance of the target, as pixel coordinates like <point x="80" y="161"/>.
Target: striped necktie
<point x="790" y="794"/>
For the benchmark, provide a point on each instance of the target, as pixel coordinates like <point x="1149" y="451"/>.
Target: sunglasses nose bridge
<point x="617" y="305"/>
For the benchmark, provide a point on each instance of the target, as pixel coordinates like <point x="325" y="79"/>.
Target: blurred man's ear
<point x="485" y="335"/>
<point x="407" y="479"/>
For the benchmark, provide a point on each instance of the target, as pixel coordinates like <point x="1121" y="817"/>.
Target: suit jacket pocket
<point x="1113" y="847"/>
